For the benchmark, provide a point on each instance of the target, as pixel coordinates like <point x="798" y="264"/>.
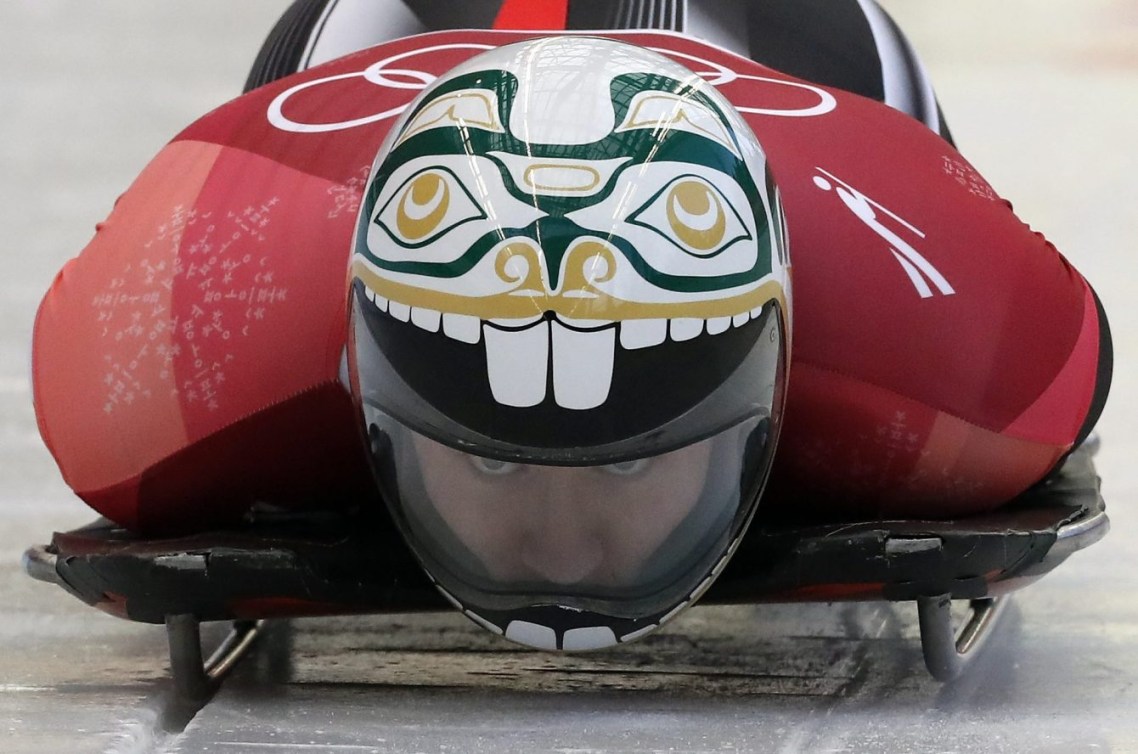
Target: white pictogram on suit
<point x="921" y="272"/>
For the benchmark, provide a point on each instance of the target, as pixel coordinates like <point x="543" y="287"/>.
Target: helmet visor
<point x="628" y="539"/>
<point x="614" y="529"/>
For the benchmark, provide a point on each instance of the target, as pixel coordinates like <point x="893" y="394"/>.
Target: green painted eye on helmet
<point x="569" y="319"/>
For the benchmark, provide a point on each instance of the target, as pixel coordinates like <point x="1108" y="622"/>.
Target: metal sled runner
<point x="303" y="565"/>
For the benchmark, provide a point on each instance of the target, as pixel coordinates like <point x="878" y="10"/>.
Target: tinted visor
<point x="628" y="539"/>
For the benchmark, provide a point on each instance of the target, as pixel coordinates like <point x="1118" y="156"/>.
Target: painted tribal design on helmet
<point x="570" y="254"/>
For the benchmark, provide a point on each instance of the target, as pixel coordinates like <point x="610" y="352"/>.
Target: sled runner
<point x="293" y="565"/>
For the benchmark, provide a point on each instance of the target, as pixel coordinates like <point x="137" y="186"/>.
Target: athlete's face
<point x="593" y="525"/>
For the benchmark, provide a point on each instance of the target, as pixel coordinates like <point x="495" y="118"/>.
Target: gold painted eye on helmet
<point x="694" y="215"/>
<point x="427" y="205"/>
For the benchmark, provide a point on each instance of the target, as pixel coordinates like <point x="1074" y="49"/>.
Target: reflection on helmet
<point x="569" y="312"/>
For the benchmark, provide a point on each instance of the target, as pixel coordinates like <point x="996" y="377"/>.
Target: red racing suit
<point x="189" y="361"/>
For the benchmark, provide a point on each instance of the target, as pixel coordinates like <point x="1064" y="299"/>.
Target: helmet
<point x="568" y="336"/>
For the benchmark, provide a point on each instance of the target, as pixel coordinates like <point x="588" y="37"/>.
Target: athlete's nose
<point x="562" y="543"/>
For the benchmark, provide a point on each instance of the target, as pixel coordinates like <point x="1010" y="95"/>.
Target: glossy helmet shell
<point x="570" y="254"/>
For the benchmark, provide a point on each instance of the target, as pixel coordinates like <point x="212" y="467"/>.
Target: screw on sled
<point x="292" y="566"/>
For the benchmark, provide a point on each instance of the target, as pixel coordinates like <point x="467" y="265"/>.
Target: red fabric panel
<point x="201" y="301"/>
<point x="1065" y="402"/>
<point x="983" y="353"/>
<point x="533" y="14"/>
<point x="849" y="448"/>
<point x="298" y="451"/>
<point x="104" y="337"/>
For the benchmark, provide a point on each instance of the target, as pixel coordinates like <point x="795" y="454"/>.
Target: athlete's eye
<point x="694" y="215"/>
<point x="628" y="468"/>
<point x="427" y="205"/>
<point x="493" y="467"/>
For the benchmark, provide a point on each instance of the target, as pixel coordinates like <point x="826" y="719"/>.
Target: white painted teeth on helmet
<point x="462" y="327"/>
<point x="582" y="365"/>
<point x="639" y="633"/>
<point x="519" y="351"/>
<point x="589" y="637"/>
<point x="517" y="363"/>
<point x="532" y="634"/>
<point x="720" y="565"/>
<point x="643" y="333"/>
<point x="574" y="640"/>
<point x="675" y="611"/>
<point x="400" y="311"/>
<point x="718" y="325"/>
<point x="450" y="598"/>
<point x="703" y="587"/>
<point x="379" y="301"/>
<point x="488" y="625"/>
<point x="427" y="319"/>
<point x="683" y="328"/>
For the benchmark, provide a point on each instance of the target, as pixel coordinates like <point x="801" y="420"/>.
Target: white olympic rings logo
<point x="380" y="75"/>
<point x="377" y="73"/>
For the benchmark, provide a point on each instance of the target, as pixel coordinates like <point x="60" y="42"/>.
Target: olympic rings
<point x="377" y="73"/>
<point x="411" y="79"/>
